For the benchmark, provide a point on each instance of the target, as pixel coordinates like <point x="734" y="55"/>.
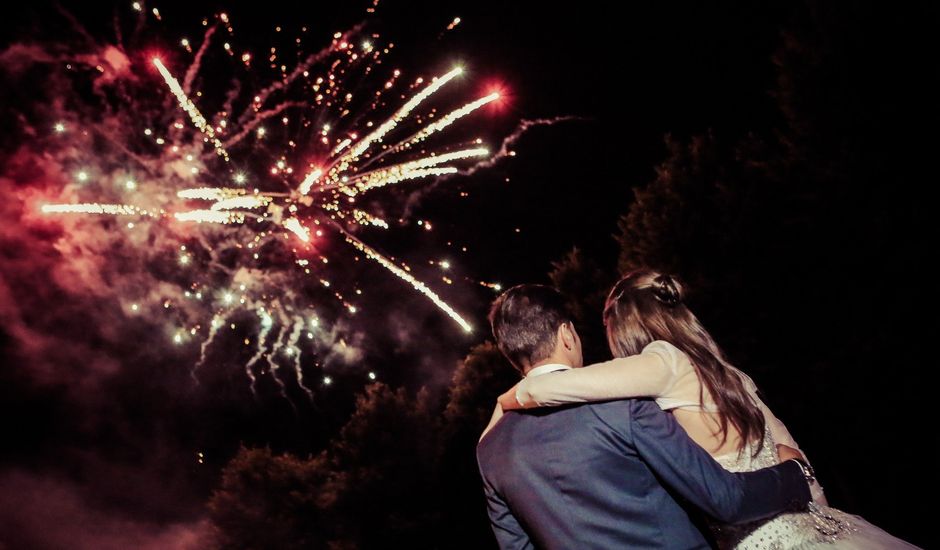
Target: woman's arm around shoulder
<point x="651" y="373"/>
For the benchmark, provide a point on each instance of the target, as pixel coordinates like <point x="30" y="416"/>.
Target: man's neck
<point x="548" y="361"/>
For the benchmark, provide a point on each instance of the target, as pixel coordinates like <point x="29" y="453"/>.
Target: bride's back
<point x="692" y="405"/>
<point x="705" y="429"/>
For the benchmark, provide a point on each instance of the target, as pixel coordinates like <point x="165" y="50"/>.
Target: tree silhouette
<point x="585" y="285"/>
<point x="477" y="382"/>
<point x="793" y="242"/>
<point x="372" y="487"/>
<point x="269" y="501"/>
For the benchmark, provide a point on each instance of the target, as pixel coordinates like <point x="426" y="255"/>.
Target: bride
<point x="662" y="351"/>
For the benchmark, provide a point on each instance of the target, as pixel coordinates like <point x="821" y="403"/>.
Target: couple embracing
<point x="666" y="446"/>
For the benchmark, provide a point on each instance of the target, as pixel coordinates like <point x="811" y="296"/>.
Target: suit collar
<point x="545" y="369"/>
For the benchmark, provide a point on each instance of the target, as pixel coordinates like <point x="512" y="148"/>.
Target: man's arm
<point x="509" y="534"/>
<point x="687" y="469"/>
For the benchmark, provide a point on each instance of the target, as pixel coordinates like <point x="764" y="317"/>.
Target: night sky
<point x="817" y="285"/>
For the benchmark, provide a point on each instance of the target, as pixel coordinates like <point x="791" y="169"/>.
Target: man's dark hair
<point x="525" y="321"/>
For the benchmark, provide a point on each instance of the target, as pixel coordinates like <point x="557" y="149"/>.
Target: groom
<point x="604" y="475"/>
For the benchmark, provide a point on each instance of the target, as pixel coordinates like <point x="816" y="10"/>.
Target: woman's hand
<point x="508" y="400"/>
<point x="787" y="453"/>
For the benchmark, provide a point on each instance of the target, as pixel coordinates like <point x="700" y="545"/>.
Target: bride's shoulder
<point x="673" y="357"/>
<point x="661" y="345"/>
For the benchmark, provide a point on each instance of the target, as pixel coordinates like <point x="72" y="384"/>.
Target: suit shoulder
<point x="623" y="406"/>
<point x="619" y="414"/>
<point x="492" y="437"/>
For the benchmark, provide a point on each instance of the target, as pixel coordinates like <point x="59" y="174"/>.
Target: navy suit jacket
<point x="616" y="475"/>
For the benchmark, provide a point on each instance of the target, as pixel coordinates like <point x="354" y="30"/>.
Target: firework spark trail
<point x="95" y="208"/>
<point x="294" y="351"/>
<point x="399" y="172"/>
<point x="428" y="162"/>
<point x="372" y="254"/>
<point x="271" y="358"/>
<point x="224" y="201"/>
<point x="211" y="216"/>
<point x="187" y="105"/>
<point x="120" y="144"/>
<point x="230" y="98"/>
<point x="342" y="163"/>
<point x="511" y="140"/>
<point x="210" y="193"/>
<point x="197" y="61"/>
<point x="503" y="152"/>
<point x="435" y="127"/>
<point x="263" y="95"/>
<point x="452" y="117"/>
<point x="311" y="60"/>
<point x="308" y="181"/>
<point x="76" y="25"/>
<point x="364" y="218"/>
<point x="139" y="24"/>
<point x="118" y="33"/>
<point x="294" y="226"/>
<point x="247" y="127"/>
<point x="217" y="322"/>
<point x="399" y="176"/>
<point x="248" y="202"/>
<point x="342" y="145"/>
<point x="266" y="323"/>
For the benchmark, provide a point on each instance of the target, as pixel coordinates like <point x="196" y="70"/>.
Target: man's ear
<point x="566" y="336"/>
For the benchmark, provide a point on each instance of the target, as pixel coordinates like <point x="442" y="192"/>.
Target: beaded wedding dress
<point x="820" y="527"/>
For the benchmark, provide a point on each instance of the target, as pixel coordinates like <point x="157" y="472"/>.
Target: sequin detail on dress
<point x="819" y="525"/>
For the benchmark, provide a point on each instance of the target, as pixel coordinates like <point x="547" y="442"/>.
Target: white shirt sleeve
<point x="650" y="374"/>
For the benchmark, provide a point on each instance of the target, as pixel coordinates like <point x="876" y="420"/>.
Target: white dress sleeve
<point x="650" y="374"/>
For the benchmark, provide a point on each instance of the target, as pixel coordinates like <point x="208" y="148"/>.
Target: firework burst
<point x="296" y="195"/>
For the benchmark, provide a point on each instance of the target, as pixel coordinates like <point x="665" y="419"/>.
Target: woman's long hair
<point x="645" y="306"/>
